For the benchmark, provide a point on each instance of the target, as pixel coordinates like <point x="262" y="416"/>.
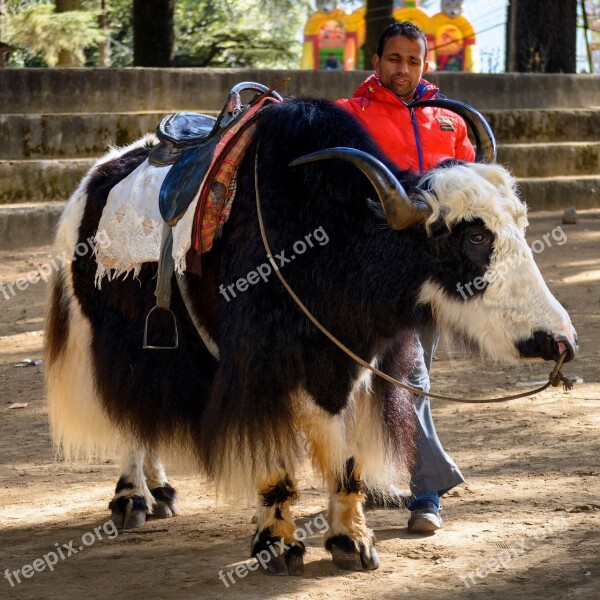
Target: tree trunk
<point x="104" y="48"/>
<point x="377" y="17"/>
<point x="65" y="5"/>
<point x="2" y="49"/>
<point x="66" y="58"/>
<point x="541" y="36"/>
<point x="153" y="33"/>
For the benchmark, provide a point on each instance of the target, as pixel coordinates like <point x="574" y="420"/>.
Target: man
<point x="416" y="139"/>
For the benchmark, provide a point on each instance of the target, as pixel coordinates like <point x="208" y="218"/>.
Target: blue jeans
<point x="434" y="470"/>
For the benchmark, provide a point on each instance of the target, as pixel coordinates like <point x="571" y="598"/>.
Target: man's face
<point x="401" y="65"/>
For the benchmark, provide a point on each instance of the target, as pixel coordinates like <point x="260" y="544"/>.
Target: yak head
<point x="482" y="283"/>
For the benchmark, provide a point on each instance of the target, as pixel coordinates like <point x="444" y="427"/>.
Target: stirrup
<point x="166" y="267"/>
<point x="175" y="342"/>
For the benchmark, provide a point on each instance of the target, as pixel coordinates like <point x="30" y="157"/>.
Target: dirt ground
<point x="526" y="524"/>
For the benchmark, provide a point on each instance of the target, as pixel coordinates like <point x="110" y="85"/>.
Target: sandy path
<point x="531" y="501"/>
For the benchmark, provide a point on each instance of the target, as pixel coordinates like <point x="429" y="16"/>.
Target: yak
<point x="372" y="251"/>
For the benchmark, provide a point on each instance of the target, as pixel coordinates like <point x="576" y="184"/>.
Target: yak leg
<point x="350" y="541"/>
<point x="132" y="501"/>
<point x="274" y="544"/>
<point x="156" y="479"/>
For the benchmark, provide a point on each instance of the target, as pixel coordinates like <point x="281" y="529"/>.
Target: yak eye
<point x="477" y="238"/>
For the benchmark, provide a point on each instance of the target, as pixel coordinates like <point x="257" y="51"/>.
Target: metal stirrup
<point x="166" y="268"/>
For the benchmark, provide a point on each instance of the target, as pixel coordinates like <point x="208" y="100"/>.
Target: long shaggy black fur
<point x="361" y="284"/>
<point x="57" y="331"/>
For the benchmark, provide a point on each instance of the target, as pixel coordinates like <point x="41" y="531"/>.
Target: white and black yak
<point x="279" y="385"/>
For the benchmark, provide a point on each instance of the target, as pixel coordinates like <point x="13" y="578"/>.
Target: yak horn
<point x="485" y="141"/>
<point x="400" y="211"/>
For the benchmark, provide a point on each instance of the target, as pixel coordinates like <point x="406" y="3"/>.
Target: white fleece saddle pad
<point x="132" y="225"/>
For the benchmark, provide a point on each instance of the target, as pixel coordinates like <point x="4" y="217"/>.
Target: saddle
<point x="187" y="141"/>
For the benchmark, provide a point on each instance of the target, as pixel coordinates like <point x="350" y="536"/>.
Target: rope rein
<point x="554" y="379"/>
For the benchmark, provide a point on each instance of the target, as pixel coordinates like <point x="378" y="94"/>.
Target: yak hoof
<point x="128" y="512"/>
<point x="352" y="556"/>
<point x="294" y="559"/>
<point x="165" y="502"/>
<point x="161" y="511"/>
<point x="289" y="562"/>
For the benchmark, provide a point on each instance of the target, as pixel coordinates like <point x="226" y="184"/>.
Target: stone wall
<point x="134" y="90"/>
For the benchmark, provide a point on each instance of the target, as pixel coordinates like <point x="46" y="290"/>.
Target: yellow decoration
<point x="338" y="35"/>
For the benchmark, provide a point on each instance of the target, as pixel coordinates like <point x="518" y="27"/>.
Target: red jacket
<point x="416" y="139"/>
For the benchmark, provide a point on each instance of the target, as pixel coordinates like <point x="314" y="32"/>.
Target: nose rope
<point x="555" y="378"/>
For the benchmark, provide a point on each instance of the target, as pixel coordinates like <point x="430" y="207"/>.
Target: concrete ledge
<point x="35" y="225"/>
<point x="549" y="125"/>
<point x="40" y="181"/>
<point x="166" y="90"/>
<point x="50" y="180"/>
<point x="29" y="225"/>
<point x="29" y="136"/>
<point x="551" y="193"/>
<point x="546" y="160"/>
<point x="76" y="135"/>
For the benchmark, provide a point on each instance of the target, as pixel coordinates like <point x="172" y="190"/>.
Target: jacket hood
<point x="372" y="87"/>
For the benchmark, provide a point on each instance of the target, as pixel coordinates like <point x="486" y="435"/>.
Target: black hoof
<point x="288" y="558"/>
<point x="352" y="556"/>
<point x="165" y="502"/>
<point x="128" y="512"/>
<point x="294" y="559"/>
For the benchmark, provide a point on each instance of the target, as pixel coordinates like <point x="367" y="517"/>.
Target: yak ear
<point x="485" y="141"/>
<point x="400" y="211"/>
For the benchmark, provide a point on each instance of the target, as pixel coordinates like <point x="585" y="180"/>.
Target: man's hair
<point x="405" y="28"/>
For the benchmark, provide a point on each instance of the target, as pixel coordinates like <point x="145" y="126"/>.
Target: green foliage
<point x="119" y="20"/>
<point x="222" y="33"/>
<point x="245" y="33"/>
<point x="208" y="33"/>
<point x="43" y="33"/>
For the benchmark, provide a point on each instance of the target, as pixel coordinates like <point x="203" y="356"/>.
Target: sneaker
<point x="425" y="517"/>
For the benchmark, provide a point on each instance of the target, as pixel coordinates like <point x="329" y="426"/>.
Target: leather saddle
<point x="188" y="141"/>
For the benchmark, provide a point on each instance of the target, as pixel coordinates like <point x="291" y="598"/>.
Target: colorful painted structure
<point x="332" y="40"/>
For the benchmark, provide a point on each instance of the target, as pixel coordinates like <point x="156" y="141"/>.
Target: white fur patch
<point x="79" y="424"/>
<point x="517" y="301"/>
<point x="357" y="431"/>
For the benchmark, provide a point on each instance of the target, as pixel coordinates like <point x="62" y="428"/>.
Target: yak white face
<point x="507" y="311"/>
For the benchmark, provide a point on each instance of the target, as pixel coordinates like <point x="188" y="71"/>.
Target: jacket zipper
<point x="413" y="118"/>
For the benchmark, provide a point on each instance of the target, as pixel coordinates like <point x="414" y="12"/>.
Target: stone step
<point x="549" y="193"/>
<point x="67" y="135"/>
<point x="40" y="180"/>
<point x="114" y="90"/>
<point x="527" y="126"/>
<point x="33" y="181"/>
<point x="28" y="224"/>
<point x="547" y="160"/>
<point x="28" y="136"/>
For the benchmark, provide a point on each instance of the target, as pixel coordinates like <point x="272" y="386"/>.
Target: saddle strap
<point x="166" y="268"/>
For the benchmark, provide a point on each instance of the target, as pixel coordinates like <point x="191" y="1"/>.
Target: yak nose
<point x="563" y="345"/>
